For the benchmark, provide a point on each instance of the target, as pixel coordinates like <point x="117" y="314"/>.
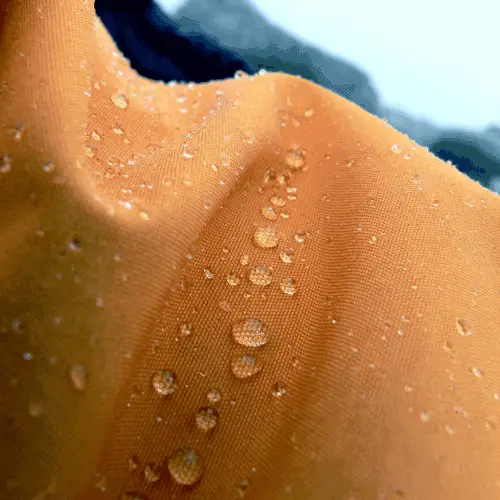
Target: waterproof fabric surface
<point x="247" y="288"/>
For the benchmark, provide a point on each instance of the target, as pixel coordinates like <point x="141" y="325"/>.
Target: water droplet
<point x="242" y="488"/>
<point x="208" y="274"/>
<point x="245" y="366"/>
<point x="300" y="236"/>
<point x="5" y="164"/>
<point x="373" y="240"/>
<point x="279" y="390"/>
<point x="185" y="466"/>
<point x="408" y="155"/>
<point x="250" y="332"/>
<point x="214" y="396"/>
<point x="435" y="204"/>
<point x="477" y="372"/>
<point x="118" y="130"/>
<point x="48" y="167"/>
<point x="244" y="260"/>
<point x="101" y="483"/>
<point x="164" y="382"/>
<point x="18" y="131"/>
<point x="266" y="237"/>
<point x="233" y="279"/>
<point x="144" y="215"/>
<point x="186" y="329"/>
<point x="295" y="159"/>
<point x="288" y="286"/>
<point x="425" y="417"/>
<point x="152" y="473"/>
<point x="278" y="201"/>
<point x="308" y="112"/>
<point x="119" y="100"/>
<point x="296" y="362"/>
<point x="396" y="149"/>
<point x="206" y="418"/>
<point x="35" y="410"/>
<point x="261" y="275"/>
<point x="284" y="215"/>
<point x="463" y="328"/>
<point x="225" y="306"/>
<point x="132" y="463"/>
<point x="133" y="495"/>
<point x="449" y="430"/>
<point x="287" y="256"/>
<point x="96" y="136"/>
<point x="269" y="213"/>
<point x="78" y="377"/>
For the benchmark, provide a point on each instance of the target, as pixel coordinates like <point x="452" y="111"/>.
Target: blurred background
<point x="429" y="67"/>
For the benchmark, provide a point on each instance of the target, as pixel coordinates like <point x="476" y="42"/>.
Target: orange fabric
<point x="126" y="206"/>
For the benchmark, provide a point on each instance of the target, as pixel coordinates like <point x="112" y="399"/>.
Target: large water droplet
<point x="164" y="382"/>
<point x="185" y="466"/>
<point x="245" y="366"/>
<point x="295" y="159"/>
<point x="288" y="286"/>
<point x="261" y="275"/>
<point x="250" y="332"/>
<point x="463" y="328"/>
<point x="287" y="256"/>
<point x="269" y="213"/>
<point x="152" y="473"/>
<point x="214" y="396"/>
<point x="120" y="100"/>
<point x="266" y="237"/>
<point x="78" y="377"/>
<point x="206" y="418"/>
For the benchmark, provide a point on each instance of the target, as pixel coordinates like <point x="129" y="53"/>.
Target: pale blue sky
<point x="437" y="59"/>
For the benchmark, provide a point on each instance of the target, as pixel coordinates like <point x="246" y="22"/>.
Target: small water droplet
<point x="269" y="213"/>
<point x="18" y="131"/>
<point x="287" y="256"/>
<point x="396" y="149"/>
<point x="435" y="204"/>
<point x="78" y="377"/>
<point x="35" y="410"/>
<point x="120" y="100"/>
<point x="477" y="372"/>
<point x="214" y="396"/>
<point x="372" y="240"/>
<point x="118" y="130"/>
<point x="144" y="215"/>
<point x="152" y="473"/>
<point x="408" y="155"/>
<point x="300" y="236"/>
<point x="5" y="164"/>
<point x="308" y="112"/>
<point x="48" y="167"/>
<point x="295" y="159"/>
<point x="244" y="260"/>
<point x="288" y="286"/>
<point x="233" y="279"/>
<point x="132" y="463"/>
<point x="96" y="136"/>
<point x="185" y="466"/>
<point x="425" y="417"/>
<point x="250" y="332"/>
<point x="164" y="382"/>
<point x="206" y="418"/>
<point x="449" y="430"/>
<point x="296" y="362"/>
<point x="261" y="275"/>
<point x="279" y="389"/>
<point x="266" y="237"/>
<point x="208" y="274"/>
<point x="245" y="366"/>
<point x="133" y="495"/>
<point x="463" y="328"/>
<point x="186" y="329"/>
<point x="225" y="306"/>
<point x="278" y="201"/>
